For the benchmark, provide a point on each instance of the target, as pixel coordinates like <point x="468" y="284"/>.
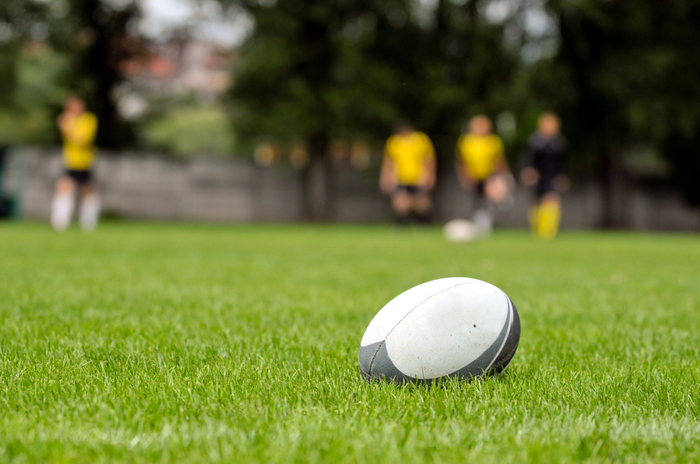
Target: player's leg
<point x="482" y="211"/>
<point x="534" y="217"/>
<point x="422" y="206"/>
<point x="549" y="216"/>
<point x="401" y="203"/>
<point x="63" y="203"/>
<point x="89" y="206"/>
<point x="478" y="197"/>
<point x="541" y="188"/>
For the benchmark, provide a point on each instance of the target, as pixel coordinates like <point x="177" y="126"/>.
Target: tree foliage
<point x="622" y="74"/>
<point x="95" y="36"/>
<point x="626" y="74"/>
<point x="48" y="49"/>
<point x="347" y="68"/>
<point x="316" y="70"/>
<point x="27" y="76"/>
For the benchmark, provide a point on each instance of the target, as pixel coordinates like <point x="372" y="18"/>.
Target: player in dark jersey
<point x="543" y="171"/>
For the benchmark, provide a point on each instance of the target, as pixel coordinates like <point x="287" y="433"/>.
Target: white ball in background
<point x="454" y="327"/>
<point x="460" y="230"/>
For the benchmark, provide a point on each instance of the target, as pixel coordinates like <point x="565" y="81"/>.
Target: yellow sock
<point x="548" y="221"/>
<point x="534" y="216"/>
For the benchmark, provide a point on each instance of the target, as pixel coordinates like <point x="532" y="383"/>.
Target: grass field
<point x="184" y="343"/>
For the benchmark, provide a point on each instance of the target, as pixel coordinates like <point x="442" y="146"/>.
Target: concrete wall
<point x="235" y="190"/>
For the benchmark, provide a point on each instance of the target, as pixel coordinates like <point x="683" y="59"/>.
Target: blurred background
<point x="277" y="110"/>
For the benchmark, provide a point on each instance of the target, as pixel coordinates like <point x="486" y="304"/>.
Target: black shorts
<point x="79" y="177"/>
<point x="543" y="187"/>
<point x="410" y="189"/>
<point x="480" y="189"/>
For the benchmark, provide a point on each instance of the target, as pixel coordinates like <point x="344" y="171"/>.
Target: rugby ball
<point x="454" y="327"/>
<point x="460" y="230"/>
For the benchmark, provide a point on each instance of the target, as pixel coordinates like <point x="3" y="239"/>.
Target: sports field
<point x="185" y="343"/>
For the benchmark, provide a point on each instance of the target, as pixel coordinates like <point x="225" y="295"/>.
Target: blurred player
<point x="482" y="169"/>
<point x="408" y="173"/>
<point x="78" y="128"/>
<point x="543" y="170"/>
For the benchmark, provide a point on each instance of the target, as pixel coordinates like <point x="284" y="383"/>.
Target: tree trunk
<point x="317" y="69"/>
<point x="100" y="63"/>
<point x="318" y="183"/>
<point x="614" y="195"/>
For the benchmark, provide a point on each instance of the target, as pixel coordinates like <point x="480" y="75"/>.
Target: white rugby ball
<point x="460" y="230"/>
<point x="454" y="327"/>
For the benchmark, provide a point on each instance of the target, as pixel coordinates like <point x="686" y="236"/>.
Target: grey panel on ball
<point x="511" y="345"/>
<point x="376" y="364"/>
<point x="367" y="352"/>
<point x="382" y="366"/>
<point x="479" y="366"/>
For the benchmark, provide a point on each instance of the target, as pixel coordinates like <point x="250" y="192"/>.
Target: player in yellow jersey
<point x="408" y="173"/>
<point x="78" y="128"/>
<point x="482" y="169"/>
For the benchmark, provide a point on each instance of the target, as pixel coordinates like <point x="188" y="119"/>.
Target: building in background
<point x="182" y="66"/>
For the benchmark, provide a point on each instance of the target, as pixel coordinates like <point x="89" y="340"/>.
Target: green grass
<point x="179" y="343"/>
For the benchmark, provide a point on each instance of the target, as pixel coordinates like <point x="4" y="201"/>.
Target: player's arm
<point x="501" y="170"/>
<point x="501" y="164"/>
<point x="387" y="176"/>
<point x="529" y="175"/>
<point x="64" y="122"/>
<point x="429" y="166"/>
<point x="562" y="183"/>
<point x="466" y="180"/>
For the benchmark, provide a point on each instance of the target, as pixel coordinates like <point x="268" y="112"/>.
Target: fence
<point x="235" y="190"/>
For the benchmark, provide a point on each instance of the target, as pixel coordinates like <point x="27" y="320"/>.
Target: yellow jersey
<point x="409" y="154"/>
<point x="78" y="147"/>
<point x="480" y="154"/>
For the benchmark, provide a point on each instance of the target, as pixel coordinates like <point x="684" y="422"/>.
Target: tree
<point x="48" y="49"/>
<point x="679" y="116"/>
<point x="625" y="74"/>
<point x="283" y="83"/>
<point x="94" y="33"/>
<point x="29" y="71"/>
<point x="315" y="70"/>
<point x="18" y="20"/>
